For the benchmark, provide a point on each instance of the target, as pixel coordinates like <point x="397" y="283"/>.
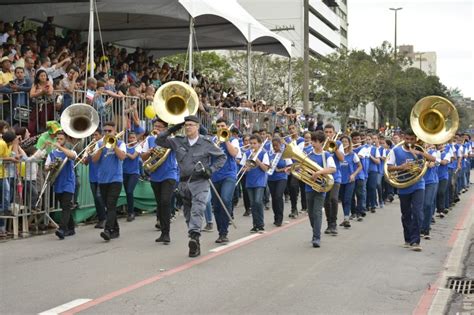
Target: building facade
<point x="425" y="61"/>
<point x="327" y="22"/>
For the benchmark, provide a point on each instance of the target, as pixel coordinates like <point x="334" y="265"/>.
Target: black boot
<point x="194" y="246"/>
<point x="164" y="238"/>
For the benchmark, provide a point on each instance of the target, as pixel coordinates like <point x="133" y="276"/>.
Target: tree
<point x="343" y="83"/>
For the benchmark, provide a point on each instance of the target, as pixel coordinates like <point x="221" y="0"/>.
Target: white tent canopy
<point x="160" y="26"/>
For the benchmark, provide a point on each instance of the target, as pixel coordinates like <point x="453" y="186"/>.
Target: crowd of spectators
<point x="41" y="62"/>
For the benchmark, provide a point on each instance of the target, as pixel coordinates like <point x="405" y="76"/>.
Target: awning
<point x="160" y="26"/>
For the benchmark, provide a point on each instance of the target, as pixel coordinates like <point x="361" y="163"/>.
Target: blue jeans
<point x="225" y="188"/>
<point x="98" y="202"/>
<point x="379" y="189"/>
<point x="346" y="191"/>
<point x="130" y="181"/>
<point x="372" y="189"/>
<point x="256" y="204"/>
<point x="441" y="195"/>
<point x="449" y="196"/>
<point x="208" y="211"/>
<point x="361" y="193"/>
<point x="428" y="205"/>
<point x="411" y="205"/>
<point x="315" y="202"/>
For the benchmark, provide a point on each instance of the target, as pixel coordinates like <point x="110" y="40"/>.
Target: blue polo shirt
<point x="167" y="170"/>
<point x="400" y="157"/>
<point x="66" y="180"/>
<point x="110" y="167"/>
<point x="229" y="170"/>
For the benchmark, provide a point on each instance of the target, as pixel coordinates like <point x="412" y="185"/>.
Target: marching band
<point x="362" y="171"/>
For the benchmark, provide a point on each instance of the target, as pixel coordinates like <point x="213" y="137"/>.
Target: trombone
<point x="250" y="163"/>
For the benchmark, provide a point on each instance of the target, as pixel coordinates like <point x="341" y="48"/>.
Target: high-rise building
<point x="327" y="22"/>
<point x="425" y="61"/>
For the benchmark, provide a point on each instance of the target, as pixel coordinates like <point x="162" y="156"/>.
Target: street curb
<point x="436" y="297"/>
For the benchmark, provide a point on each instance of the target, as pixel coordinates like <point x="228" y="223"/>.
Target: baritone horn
<point x="175" y="100"/>
<point x="304" y="167"/>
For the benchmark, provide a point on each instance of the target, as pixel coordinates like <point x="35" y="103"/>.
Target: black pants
<point x="110" y="193"/>
<point x="442" y="195"/>
<point x="330" y="204"/>
<point x="65" y="201"/>
<point x="163" y="192"/>
<point x="245" y="194"/>
<point x="295" y="186"/>
<point x="277" y="188"/>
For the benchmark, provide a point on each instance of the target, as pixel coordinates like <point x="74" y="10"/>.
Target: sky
<point x="443" y="26"/>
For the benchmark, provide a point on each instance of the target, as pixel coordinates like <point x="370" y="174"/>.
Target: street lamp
<point x="395" y="60"/>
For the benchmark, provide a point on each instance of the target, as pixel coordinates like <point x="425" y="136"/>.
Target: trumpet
<point x="330" y="145"/>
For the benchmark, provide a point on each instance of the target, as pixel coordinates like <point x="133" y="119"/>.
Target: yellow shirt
<point x="5" y="151"/>
<point x="6" y="77"/>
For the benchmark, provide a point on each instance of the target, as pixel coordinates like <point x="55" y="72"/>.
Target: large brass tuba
<point x="172" y="102"/>
<point x="434" y="120"/>
<point x="304" y="168"/>
<point x="79" y="120"/>
<point x="175" y="100"/>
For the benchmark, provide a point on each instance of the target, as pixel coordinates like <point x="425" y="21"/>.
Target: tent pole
<point x="290" y="70"/>
<point x="190" y="57"/>
<point x="249" y="62"/>
<point x="91" y="37"/>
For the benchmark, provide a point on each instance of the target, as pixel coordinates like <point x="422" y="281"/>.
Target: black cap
<point x="192" y="118"/>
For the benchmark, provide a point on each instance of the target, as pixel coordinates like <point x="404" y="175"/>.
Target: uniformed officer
<point x="193" y="154"/>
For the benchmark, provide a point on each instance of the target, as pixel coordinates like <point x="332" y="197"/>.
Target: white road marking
<point x="240" y="240"/>
<point x="65" y="307"/>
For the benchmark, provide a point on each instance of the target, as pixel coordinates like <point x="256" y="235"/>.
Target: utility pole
<point x="306" y="58"/>
<point x="395" y="65"/>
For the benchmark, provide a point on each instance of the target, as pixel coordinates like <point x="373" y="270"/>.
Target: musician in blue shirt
<point x="256" y="180"/>
<point x="332" y="197"/>
<point x="293" y="183"/>
<point x="431" y="187"/>
<point x="277" y="177"/>
<point x="314" y="198"/>
<point x="411" y="198"/>
<point x="131" y="172"/>
<point x="224" y="181"/>
<point x="93" y="180"/>
<point x="443" y="176"/>
<point x="350" y="167"/>
<point x="372" y="171"/>
<point x="360" y="192"/>
<point x="64" y="184"/>
<point x="110" y="177"/>
<point x="163" y="181"/>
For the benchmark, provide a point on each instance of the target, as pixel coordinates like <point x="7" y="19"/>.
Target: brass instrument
<point x="157" y="157"/>
<point x="79" y="120"/>
<point x="223" y="135"/>
<point x="330" y="145"/>
<point x="29" y="142"/>
<point x="434" y="120"/>
<point x="111" y="141"/>
<point x="406" y="178"/>
<point x="175" y="100"/>
<point x="304" y="168"/>
<point x="250" y="163"/>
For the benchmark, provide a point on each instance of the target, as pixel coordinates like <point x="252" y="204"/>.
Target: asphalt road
<point x="364" y="270"/>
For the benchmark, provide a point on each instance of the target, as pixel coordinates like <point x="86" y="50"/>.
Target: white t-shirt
<point x="265" y="160"/>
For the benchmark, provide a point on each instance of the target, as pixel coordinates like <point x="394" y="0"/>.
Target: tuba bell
<point x="175" y="100"/>
<point x="304" y="168"/>
<point x="79" y="120"/>
<point x="434" y="120"/>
